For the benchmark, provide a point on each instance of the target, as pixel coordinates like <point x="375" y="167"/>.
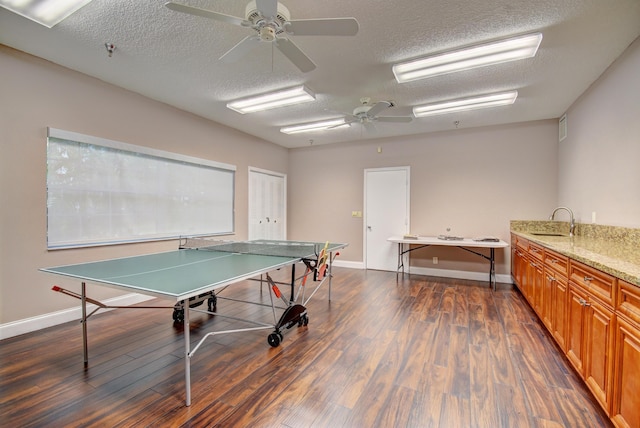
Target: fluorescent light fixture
<point x="44" y="12"/>
<point x="313" y="126"/>
<point x="285" y="97"/>
<point x="473" y="103"/>
<point x="464" y="59"/>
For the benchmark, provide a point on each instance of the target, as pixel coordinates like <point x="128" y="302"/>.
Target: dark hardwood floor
<point x="417" y="352"/>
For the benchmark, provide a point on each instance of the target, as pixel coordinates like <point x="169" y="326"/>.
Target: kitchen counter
<point x="613" y="250"/>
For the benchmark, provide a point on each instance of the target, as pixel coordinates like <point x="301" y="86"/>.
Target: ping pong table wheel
<point x="178" y="315"/>
<point x="212" y="302"/>
<point x="274" y="339"/>
<point x="304" y="320"/>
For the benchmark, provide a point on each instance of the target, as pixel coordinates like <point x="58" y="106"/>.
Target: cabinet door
<point x="599" y="351"/>
<point x="559" y="309"/>
<point x="537" y="286"/>
<point x="575" y="326"/>
<point x="548" y="287"/>
<point x="625" y="410"/>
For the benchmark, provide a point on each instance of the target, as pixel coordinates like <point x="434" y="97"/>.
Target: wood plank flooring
<point x="417" y="352"/>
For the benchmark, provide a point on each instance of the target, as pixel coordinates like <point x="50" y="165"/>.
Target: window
<point x="102" y="192"/>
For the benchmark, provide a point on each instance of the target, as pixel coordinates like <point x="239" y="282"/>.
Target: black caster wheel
<point x="305" y="320"/>
<point x="212" y="302"/>
<point x="274" y="339"/>
<point x="178" y="315"/>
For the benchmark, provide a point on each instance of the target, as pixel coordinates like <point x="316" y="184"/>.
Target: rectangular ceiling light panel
<point x="285" y="97"/>
<point x="464" y="59"/>
<point x="313" y="126"/>
<point x="473" y="103"/>
<point x="44" y="12"/>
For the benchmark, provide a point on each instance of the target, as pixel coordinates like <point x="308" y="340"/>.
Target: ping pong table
<point x="198" y="271"/>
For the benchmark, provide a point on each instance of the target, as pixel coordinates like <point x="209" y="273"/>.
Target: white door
<point x="267" y="204"/>
<point x="386" y="215"/>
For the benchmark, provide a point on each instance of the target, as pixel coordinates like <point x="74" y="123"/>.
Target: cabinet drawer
<point x="557" y="262"/>
<point x="536" y="251"/>
<point x="597" y="282"/>
<point x="523" y="244"/>
<point x="628" y="301"/>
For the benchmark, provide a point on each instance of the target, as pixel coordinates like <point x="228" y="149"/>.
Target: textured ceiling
<point x="173" y="58"/>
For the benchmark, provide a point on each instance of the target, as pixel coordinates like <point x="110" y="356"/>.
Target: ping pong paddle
<point x="322" y="261"/>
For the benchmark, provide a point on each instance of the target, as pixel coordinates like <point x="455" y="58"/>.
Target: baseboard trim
<point x="442" y="273"/>
<point x="461" y="274"/>
<point x="348" y="264"/>
<point x="39" y="322"/>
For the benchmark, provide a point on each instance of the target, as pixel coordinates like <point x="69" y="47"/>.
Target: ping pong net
<point x="294" y="249"/>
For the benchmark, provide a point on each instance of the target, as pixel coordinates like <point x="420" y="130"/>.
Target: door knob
<point x="369" y="227"/>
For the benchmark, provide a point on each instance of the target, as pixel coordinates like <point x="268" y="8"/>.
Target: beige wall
<point x="471" y="181"/>
<point x="37" y="94"/>
<point x="600" y="158"/>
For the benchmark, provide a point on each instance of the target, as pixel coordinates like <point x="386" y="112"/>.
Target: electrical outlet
<point x="435" y="260"/>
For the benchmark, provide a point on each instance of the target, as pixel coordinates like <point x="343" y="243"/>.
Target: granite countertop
<point x="613" y="250"/>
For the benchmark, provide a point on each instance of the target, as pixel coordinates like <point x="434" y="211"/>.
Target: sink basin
<point x="548" y="234"/>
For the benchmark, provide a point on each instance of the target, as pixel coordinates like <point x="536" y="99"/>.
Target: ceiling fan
<point x="271" y="21"/>
<point x="367" y="114"/>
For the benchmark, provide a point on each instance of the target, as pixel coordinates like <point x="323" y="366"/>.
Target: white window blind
<point x="102" y="192"/>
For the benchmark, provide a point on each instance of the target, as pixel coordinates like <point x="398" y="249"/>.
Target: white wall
<point x="599" y="161"/>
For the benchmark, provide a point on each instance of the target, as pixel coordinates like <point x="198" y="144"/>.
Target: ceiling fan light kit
<point x="511" y="49"/>
<point x="464" y="104"/>
<point x="271" y="100"/>
<point x="44" y="12"/>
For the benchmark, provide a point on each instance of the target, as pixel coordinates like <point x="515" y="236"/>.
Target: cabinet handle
<point x="533" y="264"/>
<point x="553" y="261"/>
<point x="584" y="302"/>
<point x="588" y="278"/>
<point x="550" y="278"/>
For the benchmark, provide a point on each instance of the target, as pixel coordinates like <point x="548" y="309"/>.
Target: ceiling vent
<point x="562" y="127"/>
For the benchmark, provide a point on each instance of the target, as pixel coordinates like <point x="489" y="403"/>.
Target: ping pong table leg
<point x="187" y="357"/>
<point x="84" y="323"/>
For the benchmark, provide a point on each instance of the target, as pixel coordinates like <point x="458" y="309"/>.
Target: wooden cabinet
<point x="595" y="319"/>
<point x="536" y="277"/>
<point x="519" y="263"/>
<point x="625" y="409"/>
<point x="576" y="316"/>
<point x="554" y="310"/>
<point x="598" y="367"/>
<point x="590" y="335"/>
<point x="559" y="308"/>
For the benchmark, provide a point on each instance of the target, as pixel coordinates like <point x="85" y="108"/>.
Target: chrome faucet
<point x="572" y="223"/>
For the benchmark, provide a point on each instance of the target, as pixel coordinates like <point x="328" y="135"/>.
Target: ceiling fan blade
<point x="395" y="119"/>
<point x="295" y="55"/>
<point x="207" y="14"/>
<point x="323" y="27"/>
<point x="378" y="107"/>
<point x="347" y="122"/>
<point x="241" y="49"/>
<point x="370" y="127"/>
<point x="268" y="8"/>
